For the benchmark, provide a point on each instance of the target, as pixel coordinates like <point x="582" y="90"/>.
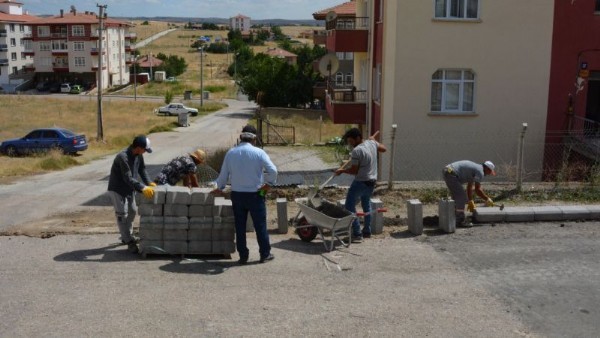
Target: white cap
<point x="490" y="166"/>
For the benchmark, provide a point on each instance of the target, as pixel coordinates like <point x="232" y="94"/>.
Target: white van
<point x="65" y="88"/>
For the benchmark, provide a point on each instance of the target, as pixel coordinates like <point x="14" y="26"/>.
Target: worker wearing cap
<point x="181" y="167"/>
<point x="123" y="184"/>
<point x="243" y="166"/>
<point x="458" y="173"/>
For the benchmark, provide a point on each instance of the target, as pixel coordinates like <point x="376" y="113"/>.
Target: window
<point x="79" y="46"/>
<point x="59" y="45"/>
<point x="597" y="5"/>
<point x="44" y="46"/>
<point x="23" y="56"/>
<point x="13" y="56"/>
<point x="46" y="61"/>
<point x="43" y="31"/>
<point x="457" y="9"/>
<point x="452" y="91"/>
<point x="79" y="61"/>
<point x="15" y="70"/>
<point x="77" y="30"/>
<point x="349" y="79"/>
<point x="13" y="42"/>
<point x="12" y="27"/>
<point x="21" y="28"/>
<point x="339" y="79"/>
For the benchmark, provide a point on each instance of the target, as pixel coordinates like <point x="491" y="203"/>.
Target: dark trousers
<point x="244" y="203"/>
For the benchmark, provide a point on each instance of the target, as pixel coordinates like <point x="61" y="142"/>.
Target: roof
<point x="17" y="18"/>
<point x="77" y="18"/>
<point x="11" y="2"/>
<point x="347" y="9"/>
<point x="278" y="52"/>
<point x="241" y="16"/>
<point x="149" y="61"/>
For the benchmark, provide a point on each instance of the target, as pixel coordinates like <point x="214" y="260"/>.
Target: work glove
<point x="152" y="184"/>
<point x="489" y="202"/>
<point x="148" y="192"/>
<point x="471" y="206"/>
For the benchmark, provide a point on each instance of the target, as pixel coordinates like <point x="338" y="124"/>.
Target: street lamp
<point x="201" y="76"/>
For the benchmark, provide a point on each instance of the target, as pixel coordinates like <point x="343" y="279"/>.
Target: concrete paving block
<point x="175" y="235"/>
<point x="376" y="217"/>
<point x="200" y="247"/>
<point x="175" y="247"/>
<point x="225" y="232"/>
<point x="594" y="211"/>
<point x="575" y="212"/>
<point x="415" y="216"/>
<point x="176" y="223"/>
<point x="150" y="209"/>
<point x="488" y="215"/>
<point x="282" y="216"/>
<point x="178" y="195"/>
<point x="200" y="229"/>
<point x="160" y="193"/>
<point x="176" y="210"/>
<point x="447" y="216"/>
<point x="222" y="207"/>
<point x="548" y="213"/>
<point x="152" y="222"/>
<point x="223" y="247"/>
<point x="202" y="196"/>
<point x="201" y="222"/>
<point x="226" y="221"/>
<point x="519" y="214"/>
<point x="200" y="210"/>
<point x="151" y="234"/>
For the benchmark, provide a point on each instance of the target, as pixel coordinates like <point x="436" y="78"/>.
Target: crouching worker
<point x="182" y="167"/>
<point x="458" y="173"/>
<point x="123" y="184"/>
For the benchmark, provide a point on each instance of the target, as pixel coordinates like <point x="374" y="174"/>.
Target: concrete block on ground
<point x="548" y="213"/>
<point x="160" y="193"/>
<point x="575" y="212"/>
<point x="223" y="232"/>
<point x="152" y="222"/>
<point x="176" y="223"/>
<point x="176" y="210"/>
<point x="282" y="216"/>
<point x="447" y="216"/>
<point x="175" y="247"/>
<point x="594" y="211"/>
<point x="223" y="247"/>
<point x="200" y="247"/>
<point x="175" y="235"/>
<point x="150" y="209"/>
<point x="376" y="217"/>
<point x="200" y="210"/>
<point x="178" y="195"/>
<point x="488" y="215"/>
<point x="201" y="229"/>
<point x="222" y="207"/>
<point x="519" y="214"/>
<point x="415" y="216"/>
<point x="202" y="196"/>
<point x="151" y="234"/>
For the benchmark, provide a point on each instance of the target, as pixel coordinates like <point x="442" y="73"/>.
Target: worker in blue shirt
<point x="243" y="166"/>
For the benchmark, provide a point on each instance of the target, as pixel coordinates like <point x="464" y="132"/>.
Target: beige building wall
<point x="508" y="50"/>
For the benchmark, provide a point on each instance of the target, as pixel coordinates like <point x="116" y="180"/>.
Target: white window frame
<point x="462" y="91"/>
<point x="13" y="56"/>
<point x="45" y="46"/>
<point x="79" y="61"/>
<point x="13" y="42"/>
<point x="339" y="79"/>
<point x="43" y="31"/>
<point x="77" y="30"/>
<point x="447" y="5"/>
<point x="349" y="79"/>
<point x="78" y="46"/>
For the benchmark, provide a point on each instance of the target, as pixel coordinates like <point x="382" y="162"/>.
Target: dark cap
<point x="143" y="142"/>
<point x="249" y="129"/>
<point x="353" y="133"/>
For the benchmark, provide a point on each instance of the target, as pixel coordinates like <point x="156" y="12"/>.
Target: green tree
<point x="168" y="97"/>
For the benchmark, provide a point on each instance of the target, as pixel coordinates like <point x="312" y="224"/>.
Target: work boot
<point x="132" y="247"/>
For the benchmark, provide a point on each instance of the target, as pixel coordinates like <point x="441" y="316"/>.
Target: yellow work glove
<point x="148" y="192"/>
<point x="152" y="184"/>
<point x="489" y="202"/>
<point x="471" y="206"/>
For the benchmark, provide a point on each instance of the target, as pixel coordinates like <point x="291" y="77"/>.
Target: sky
<point x="255" y="9"/>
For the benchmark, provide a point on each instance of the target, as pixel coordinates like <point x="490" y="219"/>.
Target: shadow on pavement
<point x="106" y="254"/>
<point x="296" y="245"/>
<point x="199" y="266"/>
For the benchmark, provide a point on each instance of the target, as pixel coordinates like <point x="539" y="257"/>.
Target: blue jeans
<point x="244" y="202"/>
<point x="363" y="191"/>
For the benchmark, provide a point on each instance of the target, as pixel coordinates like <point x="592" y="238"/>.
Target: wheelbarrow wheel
<point x="306" y="234"/>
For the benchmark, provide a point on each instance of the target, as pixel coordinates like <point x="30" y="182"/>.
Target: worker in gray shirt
<point x="458" y="173"/>
<point x="363" y="164"/>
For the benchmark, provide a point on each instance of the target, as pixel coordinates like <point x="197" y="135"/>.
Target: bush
<point x="168" y="97"/>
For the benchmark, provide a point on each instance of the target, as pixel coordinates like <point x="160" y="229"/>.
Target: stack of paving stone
<point x="179" y="220"/>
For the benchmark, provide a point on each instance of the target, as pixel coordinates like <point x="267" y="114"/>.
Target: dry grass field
<point x="146" y="31"/>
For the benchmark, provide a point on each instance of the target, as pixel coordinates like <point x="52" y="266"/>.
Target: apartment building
<point x="66" y="48"/>
<point x="240" y="22"/>
<point x="13" y="28"/>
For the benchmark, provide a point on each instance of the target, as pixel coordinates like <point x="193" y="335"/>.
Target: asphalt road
<point x="84" y="186"/>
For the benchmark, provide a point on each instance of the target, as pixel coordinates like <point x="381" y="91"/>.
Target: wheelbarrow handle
<point x="378" y="210"/>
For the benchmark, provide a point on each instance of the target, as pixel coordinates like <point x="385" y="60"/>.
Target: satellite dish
<point x="328" y="64"/>
<point x="331" y="15"/>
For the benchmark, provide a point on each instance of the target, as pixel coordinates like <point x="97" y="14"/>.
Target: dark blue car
<point x="43" y="140"/>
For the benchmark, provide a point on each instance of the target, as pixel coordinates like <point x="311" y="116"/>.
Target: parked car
<point x="54" y="87"/>
<point x="43" y="86"/>
<point x="76" y="89"/>
<point x="176" y="109"/>
<point x="43" y="140"/>
<point x="65" y="88"/>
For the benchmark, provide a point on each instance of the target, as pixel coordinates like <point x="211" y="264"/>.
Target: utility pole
<point x="391" y="168"/>
<point x="201" y="77"/>
<point x="100" y="135"/>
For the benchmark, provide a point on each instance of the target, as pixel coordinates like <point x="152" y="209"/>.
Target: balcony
<point x="128" y="48"/>
<point x="96" y="51"/>
<point x="29" y="67"/>
<point x="61" y="35"/>
<point x="319" y="37"/>
<point x="60" y="66"/>
<point x="3" y="62"/>
<point x="3" y="48"/>
<point x="348" y="35"/>
<point x="3" y="33"/>
<point x="131" y="36"/>
<point x="95" y="67"/>
<point x="346" y="106"/>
